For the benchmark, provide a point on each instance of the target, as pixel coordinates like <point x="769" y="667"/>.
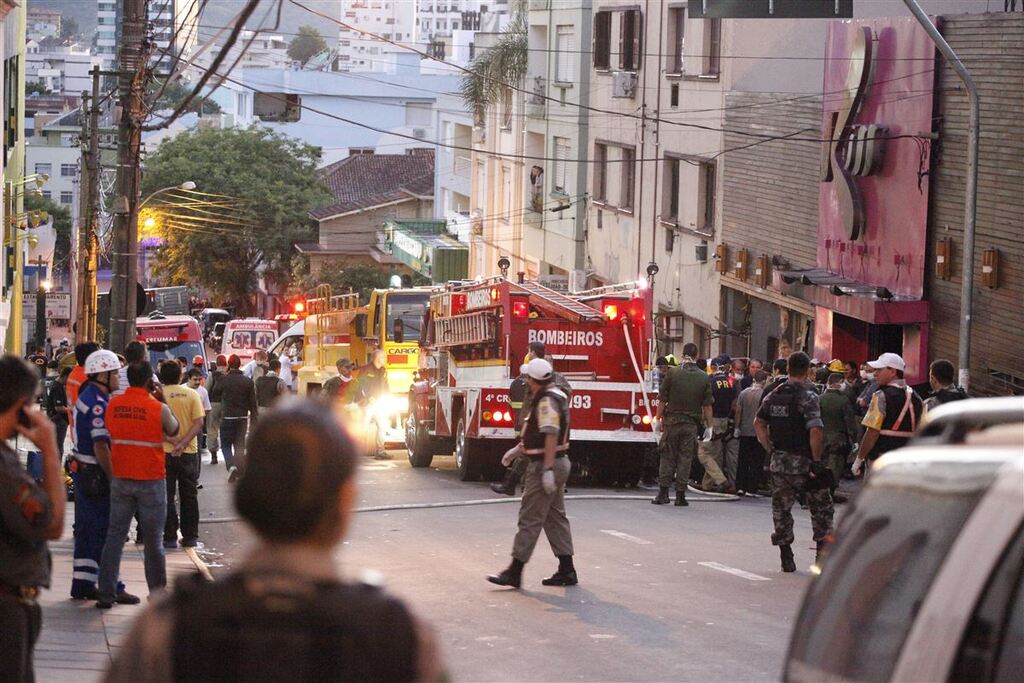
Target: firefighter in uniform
<point x="789" y="427"/>
<point x="684" y="413"/>
<point x="893" y="414"/>
<point x="546" y="442"/>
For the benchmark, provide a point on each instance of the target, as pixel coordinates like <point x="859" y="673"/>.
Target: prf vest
<point x="533" y="438"/>
<point x="136" y="435"/>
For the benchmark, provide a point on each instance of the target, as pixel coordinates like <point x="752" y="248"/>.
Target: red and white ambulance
<point x="169" y="337"/>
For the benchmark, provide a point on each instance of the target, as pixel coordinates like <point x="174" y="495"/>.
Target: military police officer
<point x="840" y="425"/>
<point x="789" y="427"/>
<point x="684" y="413"/>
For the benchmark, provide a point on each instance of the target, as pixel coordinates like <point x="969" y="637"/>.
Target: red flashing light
<point x="520" y="309"/>
<point x="611" y="311"/>
<point x="299" y="306"/>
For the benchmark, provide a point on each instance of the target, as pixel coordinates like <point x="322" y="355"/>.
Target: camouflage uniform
<point x="789" y="473"/>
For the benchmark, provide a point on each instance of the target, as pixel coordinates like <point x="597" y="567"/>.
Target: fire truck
<point x="475" y="339"/>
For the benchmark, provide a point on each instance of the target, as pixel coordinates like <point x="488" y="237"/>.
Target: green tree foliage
<point x="306" y="44"/>
<point x="260" y="187"/>
<point x="61" y="217"/>
<point x="502" y="63"/>
<point x="68" y="28"/>
<point x="175" y="92"/>
<point x="36" y="88"/>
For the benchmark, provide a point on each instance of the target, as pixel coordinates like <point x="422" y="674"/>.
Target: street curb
<point x="706" y="497"/>
<point x="198" y="562"/>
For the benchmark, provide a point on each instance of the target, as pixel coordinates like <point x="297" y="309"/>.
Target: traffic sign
<point x="771" y="9"/>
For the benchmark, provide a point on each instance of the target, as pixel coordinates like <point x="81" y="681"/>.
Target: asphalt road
<point x="665" y="593"/>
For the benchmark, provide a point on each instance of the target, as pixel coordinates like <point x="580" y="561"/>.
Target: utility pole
<point x="133" y="58"/>
<point x="85" y="320"/>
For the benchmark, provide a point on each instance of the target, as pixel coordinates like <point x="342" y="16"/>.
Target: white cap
<point x="538" y="368"/>
<point x="888" y="360"/>
<point x="101" y="361"/>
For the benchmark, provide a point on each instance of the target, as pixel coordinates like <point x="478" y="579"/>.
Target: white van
<point x="244" y="336"/>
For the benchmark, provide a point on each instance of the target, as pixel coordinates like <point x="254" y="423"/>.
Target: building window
<point x="44" y="168"/>
<point x="630" y="40"/>
<point x="676" y="35"/>
<point x="602" y="40"/>
<point x="360" y="151"/>
<point x="562" y="152"/>
<point x="712" y="47"/>
<point x="68" y="170"/>
<point x="67" y="197"/>
<point x="626" y="185"/>
<point x="565" y="71"/>
<point x="671" y="208"/>
<point x="706" y="198"/>
<point x="670" y="239"/>
<point x="506" y="193"/>
<point x="673" y="95"/>
<point x="506" y="109"/>
<point x="600" y="171"/>
<point x="47" y="194"/>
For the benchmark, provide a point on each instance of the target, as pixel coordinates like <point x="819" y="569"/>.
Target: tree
<point x="499" y="66"/>
<point x="174" y="93"/>
<point x="306" y="45"/>
<point x="254" y="189"/>
<point x="68" y="28"/>
<point x="36" y="88"/>
<point x="61" y="217"/>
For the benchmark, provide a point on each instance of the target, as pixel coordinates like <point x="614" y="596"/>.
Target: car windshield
<point x="890" y="545"/>
<point x="161" y="351"/>
<point x="409" y="308"/>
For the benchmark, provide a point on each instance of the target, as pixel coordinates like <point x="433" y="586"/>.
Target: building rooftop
<point x="363" y="181"/>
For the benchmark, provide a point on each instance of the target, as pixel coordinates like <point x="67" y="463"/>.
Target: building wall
<point x="393" y="19"/>
<point x="989" y="45"/>
<point x="13" y="48"/>
<point x="107" y="19"/>
<point x="361" y="232"/>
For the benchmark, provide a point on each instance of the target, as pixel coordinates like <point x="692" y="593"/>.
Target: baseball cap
<point x="198" y="360"/>
<point x="723" y="359"/>
<point x="538" y="368"/>
<point x="888" y="360"/>
<point x="222" y="359"/>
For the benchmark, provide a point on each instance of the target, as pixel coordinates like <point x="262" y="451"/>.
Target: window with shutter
<point x="626" y="186"/>
<point x="676" y="38"/>
<point x="712" y="47"/>
<point x="600" y="172"/>
<point x="602" y="40"/>
<point x="707" y="195"/>
<point x="629" y="40"/>
<point x="562" y="152"/>
<point x="566" y="48"/>
<point x="671" y="208"/>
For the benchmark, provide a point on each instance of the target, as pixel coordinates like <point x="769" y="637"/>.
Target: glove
<point x="547" y="480"/>
<point x="736" y="433"/>
<point x="858" y="464"/>
<point x="510" y="456"/>
<point x="709" y="434"/>
<point x="656" y="426"/>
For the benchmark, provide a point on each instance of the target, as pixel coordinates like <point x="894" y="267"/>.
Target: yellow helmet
<point x="836" y="365"/>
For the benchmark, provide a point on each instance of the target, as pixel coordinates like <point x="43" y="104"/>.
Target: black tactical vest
<point x="533" y="439"/>
<point x="266" y="390"/>
<point x="277" y="627"/>
<point x="786" y="421"/>
<point x="895" y="397"/>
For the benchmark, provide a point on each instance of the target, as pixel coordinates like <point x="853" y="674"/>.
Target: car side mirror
<point x="360" y="323"/>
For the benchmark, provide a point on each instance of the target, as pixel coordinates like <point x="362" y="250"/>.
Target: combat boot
<point x="513" y="576"/>
<point x="662" y="497"/>
<point x="507" y="486"/>
<point x="786" y="554"/>
<point x="821" y="554"/>
<point x="681" y="501"/>
<point x="213" y="457"/>
<point x="566" y="574"/>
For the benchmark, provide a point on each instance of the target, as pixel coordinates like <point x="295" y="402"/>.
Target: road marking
<point x="602" y="636"/>
<point x="735" y="572"/>
<point x="626" y="537"/>
<point x="378" y="467"/>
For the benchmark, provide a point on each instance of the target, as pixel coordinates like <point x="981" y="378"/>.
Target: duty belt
<point x="85" y="459"/>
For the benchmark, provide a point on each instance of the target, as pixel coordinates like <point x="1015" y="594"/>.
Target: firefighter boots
<point x="681" y="501"/>
<point x="507" y="485"/>
<point x="662" y="497"/>
<point x="786" y="554"/>
<point x="513" y="576"/>
<point x="566" y="574"/>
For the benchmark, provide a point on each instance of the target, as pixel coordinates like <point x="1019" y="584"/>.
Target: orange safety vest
<point x="75" y="381"/>
<point x="136" y="435"/>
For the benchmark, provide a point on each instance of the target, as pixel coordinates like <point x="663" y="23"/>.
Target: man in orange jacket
<point x="137" y="423"/>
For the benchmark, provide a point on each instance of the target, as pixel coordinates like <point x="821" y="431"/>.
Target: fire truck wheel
<point x="417" y="443"/>
<point x="467" y="459"/>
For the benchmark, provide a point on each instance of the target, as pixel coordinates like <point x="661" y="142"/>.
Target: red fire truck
<point x="474" y="342"/>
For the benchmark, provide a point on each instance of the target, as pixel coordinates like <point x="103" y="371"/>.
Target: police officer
<point x="722" y="450"/>
<point x="292" y="616"/>
<point x="789" y="427"/>
<point x="941" y="377"/>
<point x="546" y="442"/>
<point x="90" y="471"/>
<point x="893" y="414"/>
<point x="684" y="413"/>
<point x="30" y="514"/>
<point x="840" y="425"/>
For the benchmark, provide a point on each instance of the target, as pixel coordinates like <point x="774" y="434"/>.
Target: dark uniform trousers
<point x="834" y="453"/>
<point x="541" y="511"/>
<point x="789" y="477"/>
<point x="20" y="621"/>
<point x="678" y="448"/>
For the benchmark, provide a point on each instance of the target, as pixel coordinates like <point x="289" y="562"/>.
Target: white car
<point x="926" y="579"/>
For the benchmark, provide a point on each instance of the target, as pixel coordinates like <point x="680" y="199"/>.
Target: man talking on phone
<point x="30" y="514"/>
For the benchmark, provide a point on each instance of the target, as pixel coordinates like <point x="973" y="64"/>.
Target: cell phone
<point x="23" y="419"/>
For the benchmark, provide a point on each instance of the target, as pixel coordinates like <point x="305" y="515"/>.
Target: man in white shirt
<point x="257" y="367"/>
<point x="195" y="382"/>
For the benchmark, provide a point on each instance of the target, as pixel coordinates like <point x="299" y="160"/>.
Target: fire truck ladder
<point x="471" y="328"/>
<point x="325" y="306"/>
<point x="582" y="311"/>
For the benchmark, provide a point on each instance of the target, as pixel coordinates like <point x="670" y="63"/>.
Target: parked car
<point x="926" y="579"/>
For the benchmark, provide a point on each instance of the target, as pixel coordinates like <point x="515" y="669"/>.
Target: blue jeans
<point x="149" y="499"/>
<point x="232" y="441"/>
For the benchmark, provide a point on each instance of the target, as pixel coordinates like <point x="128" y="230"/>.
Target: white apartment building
<point x="107" y="15"/>
<point x="453" y="171"/>
<point x="438" y="19"/>
<point x="63" y="69"/>
<point x="171" y="21"/>
<point x="390" y="19"/>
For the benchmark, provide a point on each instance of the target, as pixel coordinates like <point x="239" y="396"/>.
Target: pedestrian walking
<point x="137" y="422"/>
<point x="789" y="427"/>
<point x="216" y="407"/>
<point x="840" y="430"/>
<point x="750" y="473"/>
<point x="195" y="381"/>
<point x="237" y="394"/>
<point x="720" y="453"/>
<point x="546" y="443"/>
<point x="57" y="409"/>
<point x="31" y="513"/>
<point x="684" y="414"/>
<point x="90" y="470"/>
<point x="372" y="385"/>
<point x="942" y="378"/>
<point x="181" y="449"/>
<point x="270" y="387"/>
<point x="292" y="617"/>
<point x="893" y="414"/>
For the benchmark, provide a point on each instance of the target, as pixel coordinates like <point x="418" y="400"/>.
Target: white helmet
<point x="101" y="361"/>
<point x="538" y="368"/>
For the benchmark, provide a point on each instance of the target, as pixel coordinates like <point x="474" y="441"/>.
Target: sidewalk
<point x="77" y="640"/>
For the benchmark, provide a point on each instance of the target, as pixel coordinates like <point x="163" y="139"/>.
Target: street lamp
<point x="187" y="185"/>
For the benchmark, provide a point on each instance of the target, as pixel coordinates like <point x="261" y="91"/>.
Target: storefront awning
<point x="845" y="295"/>
<point x="427" y="248"/>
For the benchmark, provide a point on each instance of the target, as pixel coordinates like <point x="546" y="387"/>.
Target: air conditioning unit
<point x="419" y="133"/>
<point x="624" y="84"/>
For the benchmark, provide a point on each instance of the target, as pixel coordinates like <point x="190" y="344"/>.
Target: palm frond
<point x="501" y="65"/>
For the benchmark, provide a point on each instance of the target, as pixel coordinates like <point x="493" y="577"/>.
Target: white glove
<point x="510" y="456"/>
<point x="709" y="433"/>
<point x="858" y="464"/>
<point x="656" y="426"/>
<point x="736" y="433"/>
<point x="547" y="480"/>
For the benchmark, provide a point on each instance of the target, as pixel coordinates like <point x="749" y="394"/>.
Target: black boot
<point x="513" y="576"/>
<point x="213" y="457"/>
<point x="786" y="554"/>
<point x="662" y="497"/>
<point x="507" y="486"/>
<point x="566" y="574"/>
<point x="681" y="501"/>
<point x="822" y="552"/>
